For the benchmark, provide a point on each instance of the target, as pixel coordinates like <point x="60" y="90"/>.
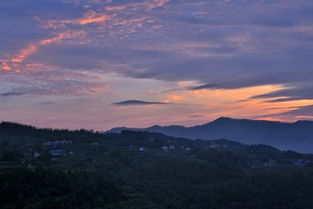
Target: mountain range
<point x="297" y="136"/>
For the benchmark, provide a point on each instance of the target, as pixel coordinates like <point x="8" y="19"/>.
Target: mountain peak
<point x="304" y="122"/>
<point x="223" y="119"/>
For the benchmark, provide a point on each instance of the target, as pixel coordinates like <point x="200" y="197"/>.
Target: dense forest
<point x="47" y="168"/>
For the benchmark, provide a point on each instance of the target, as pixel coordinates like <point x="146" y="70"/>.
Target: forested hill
<point x="296" y="136"/>
<point x="21" y="137"/>
<point x="47" y="168"/>
<point x="20" y="130"/>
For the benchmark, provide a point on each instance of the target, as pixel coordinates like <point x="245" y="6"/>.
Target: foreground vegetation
<point x="146" y="170"/>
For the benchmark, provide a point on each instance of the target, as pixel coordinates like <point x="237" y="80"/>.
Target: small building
<point x="172" y="147"/>
<point x="164" y="148"/>
<point x="47" y="144"/>
<point x="308" y="163"/>
<point x="36" y="154"/>
<point x="213" y="146"/>
<point x="29" y="144"/>
<point x="298" y="162"/>
<point x="95" y="144"/>
<point x="81" y="154"/>
<point x="57" y="142"/>
<point x="187" y="149"/>
<point x="270" y="163"/>
<point x="56" y="152"/>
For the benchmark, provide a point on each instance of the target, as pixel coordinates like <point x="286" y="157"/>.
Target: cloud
<point x="306" y="111"/>
<point x="63" y="87"/>
<point x="9" y="94"/>
<point x="222" y="52"/>
<point x="56" y="83"/>
<point x="205" y="86"/>
<point x="297" y="113"/>
<point x="294" y="93"/>
<point x="138" y="102"/>
<point x="54" y="48"/>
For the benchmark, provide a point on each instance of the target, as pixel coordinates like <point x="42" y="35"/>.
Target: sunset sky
<point x="99" y="64"/>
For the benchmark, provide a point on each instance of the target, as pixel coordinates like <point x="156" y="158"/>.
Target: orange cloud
<point x="9" y="64"/>
<point x="88" y="18"/>
<point x="62" y="36"/>
<point x="233" y="102"/>
<point x="150" y="4"/>
<point x="157" y="3"/>
<point x="115" y="8"/>
<point x="5" y="66"/>
<point x="31" y="49"/>
<point x="130" y="21"/>
<point x="92" y="17"/>
<point x="52" y="40"/>
<point x="176" y="97"/>
<point x="93" y="20"/>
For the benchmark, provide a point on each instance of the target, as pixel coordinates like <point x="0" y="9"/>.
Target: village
<point x="36" y="153"/>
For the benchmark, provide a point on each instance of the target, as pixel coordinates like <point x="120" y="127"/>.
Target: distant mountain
<point x="296" y="136"/>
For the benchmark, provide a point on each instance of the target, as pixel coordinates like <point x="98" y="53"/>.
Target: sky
<point x="98" y="64"/>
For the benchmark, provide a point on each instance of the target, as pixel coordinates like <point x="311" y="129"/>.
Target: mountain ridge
<point x="283" y="135"/>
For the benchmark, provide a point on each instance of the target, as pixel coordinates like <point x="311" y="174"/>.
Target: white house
<point x="187" y="149"/>
<point x="36" y="154"/>
<point x="172" y="147"/>
<point x="56" y="152"/>
<point x="164" y="148"/>
<point x="47" y="144"/>
<point x="270" y="163"/>
<point x="95" y="144"/>
<point x="213" y="146"/>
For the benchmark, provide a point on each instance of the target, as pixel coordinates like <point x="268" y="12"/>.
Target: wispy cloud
<point x="205" y="86"/>
<point x="62" y="87"/>
<point x="138" y="102"/>
<point x="9" y="94"/>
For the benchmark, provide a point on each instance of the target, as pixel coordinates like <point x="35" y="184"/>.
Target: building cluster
<point x="168" y="148"/>
<point x="56" y="143"/>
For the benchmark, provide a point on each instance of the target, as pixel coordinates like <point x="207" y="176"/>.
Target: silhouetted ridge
<point x="296" y="136"/>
